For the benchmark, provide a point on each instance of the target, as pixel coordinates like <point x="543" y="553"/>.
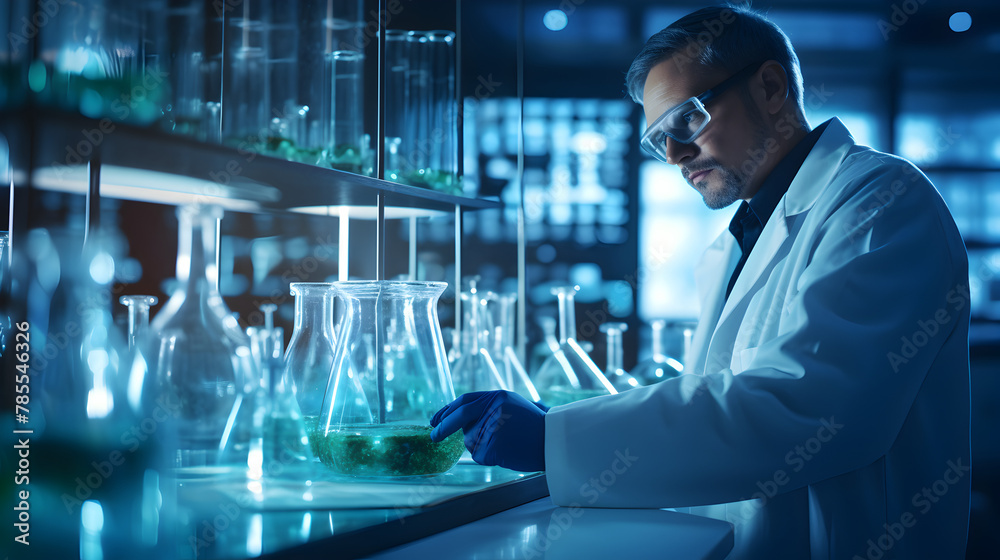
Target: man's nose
<point x="677" y="152"/>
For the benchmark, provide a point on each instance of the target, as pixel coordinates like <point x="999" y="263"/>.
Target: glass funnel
<point x="390" y="375"/>
<point x="569" y="374"/>
<point x="476" y="369"/>
<point x="659" y="366"/>
<point x="196" y="351"/>
<point x="309" y="357"/>
<point x="615" y="371"/>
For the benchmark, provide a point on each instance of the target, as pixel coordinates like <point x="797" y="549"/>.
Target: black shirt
<point x="750" y="218"/>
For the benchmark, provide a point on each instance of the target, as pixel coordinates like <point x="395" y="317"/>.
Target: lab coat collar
<point x="818" y="169"/>
<point x="815" y="174"/>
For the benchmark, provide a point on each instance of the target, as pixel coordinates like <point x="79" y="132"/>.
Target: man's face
<point x="713" y="163"/>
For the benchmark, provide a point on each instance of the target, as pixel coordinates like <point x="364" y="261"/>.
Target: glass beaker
<point x="615" y="371"/>
<point x="390" y="375"/>
<point x="349" y="150"/>
<point x="397" y="94"/>
<point x="432" y="154"/>
<point x="184" y="57"/>
<point x="476" y="369"/>
<point x="569" y="374"/>
<point x="99" y="62"/>
<point x="195" y="349"/>
<point x="246" y="100"/>
<point x="659" y="366"/>
<point x="309" y="358"/>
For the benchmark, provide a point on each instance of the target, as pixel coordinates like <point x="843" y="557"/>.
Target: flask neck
<point x="567" y="318"/>
<point x="657" y="339"/>
<point x="197" y="269"/>
<point x="314" y="310"/>
<point x="616" y="359"/>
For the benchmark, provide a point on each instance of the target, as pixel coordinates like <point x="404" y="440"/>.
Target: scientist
<point x="826" y="413"/>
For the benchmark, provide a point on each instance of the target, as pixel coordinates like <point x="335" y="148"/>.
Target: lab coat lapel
<point x="816" y="172"/>
<point x="722" y="255"/>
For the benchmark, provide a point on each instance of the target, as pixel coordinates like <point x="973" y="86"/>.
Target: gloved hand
<point x="501" y="428"/>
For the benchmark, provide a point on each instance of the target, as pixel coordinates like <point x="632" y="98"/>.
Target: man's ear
<point x="771" y="86"/>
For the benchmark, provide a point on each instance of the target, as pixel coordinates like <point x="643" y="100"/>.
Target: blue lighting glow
<point x="555" y="20"/>
<point x="960" y="21"/>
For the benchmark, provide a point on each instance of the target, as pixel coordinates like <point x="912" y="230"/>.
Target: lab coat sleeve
<point x="824" y="397"/>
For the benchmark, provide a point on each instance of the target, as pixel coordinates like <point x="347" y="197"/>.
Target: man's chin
<point x="717" y="201"/>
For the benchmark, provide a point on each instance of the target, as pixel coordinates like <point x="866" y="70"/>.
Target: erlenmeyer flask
<point x="476" y="369"/>
<point x="195" y="350"/>
<point x="390" y="375"/>
<point x="614" y="371"/>
<point x="265" y="442"/>
<point x="309" y="357"/>
<point x="659" y="366"/>
<point x="501" y="346"/>
<point x="569" y="374"/>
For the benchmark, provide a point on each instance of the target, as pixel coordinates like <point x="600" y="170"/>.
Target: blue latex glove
<point x="501" y="428"/>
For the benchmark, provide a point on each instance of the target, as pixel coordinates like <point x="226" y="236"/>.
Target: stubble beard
<point x="734" y="180"/>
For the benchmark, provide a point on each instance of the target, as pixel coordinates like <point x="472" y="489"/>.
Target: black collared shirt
<point x="750" y="218"/>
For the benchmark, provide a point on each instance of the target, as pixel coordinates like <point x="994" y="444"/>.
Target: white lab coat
<point x="828" y="411"/>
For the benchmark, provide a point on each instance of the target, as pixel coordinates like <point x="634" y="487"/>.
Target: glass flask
<point x="265" y="443"/>
<point x="390" y="375"/>
<point x="138" y="316"/>
<point x="309" y="358"/>
<point x="659" y="366"/>
<point x="97" y="485"/>
<point x="476" y="370"/>
<point x="569" y="374"/>
<point x="615" y="371"/>
<point x="502" y="307"/>
<point x="195" y="350"/>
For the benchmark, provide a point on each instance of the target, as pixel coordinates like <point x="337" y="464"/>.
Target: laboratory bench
<point x="471" y="511"/>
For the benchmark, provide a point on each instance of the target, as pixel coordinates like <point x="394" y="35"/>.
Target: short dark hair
<point x="727" y="37"/>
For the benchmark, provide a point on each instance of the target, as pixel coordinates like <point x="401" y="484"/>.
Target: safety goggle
<point x="686" y="121"/>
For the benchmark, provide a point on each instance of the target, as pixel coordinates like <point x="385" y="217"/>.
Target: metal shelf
<point x="153" y="166"/>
